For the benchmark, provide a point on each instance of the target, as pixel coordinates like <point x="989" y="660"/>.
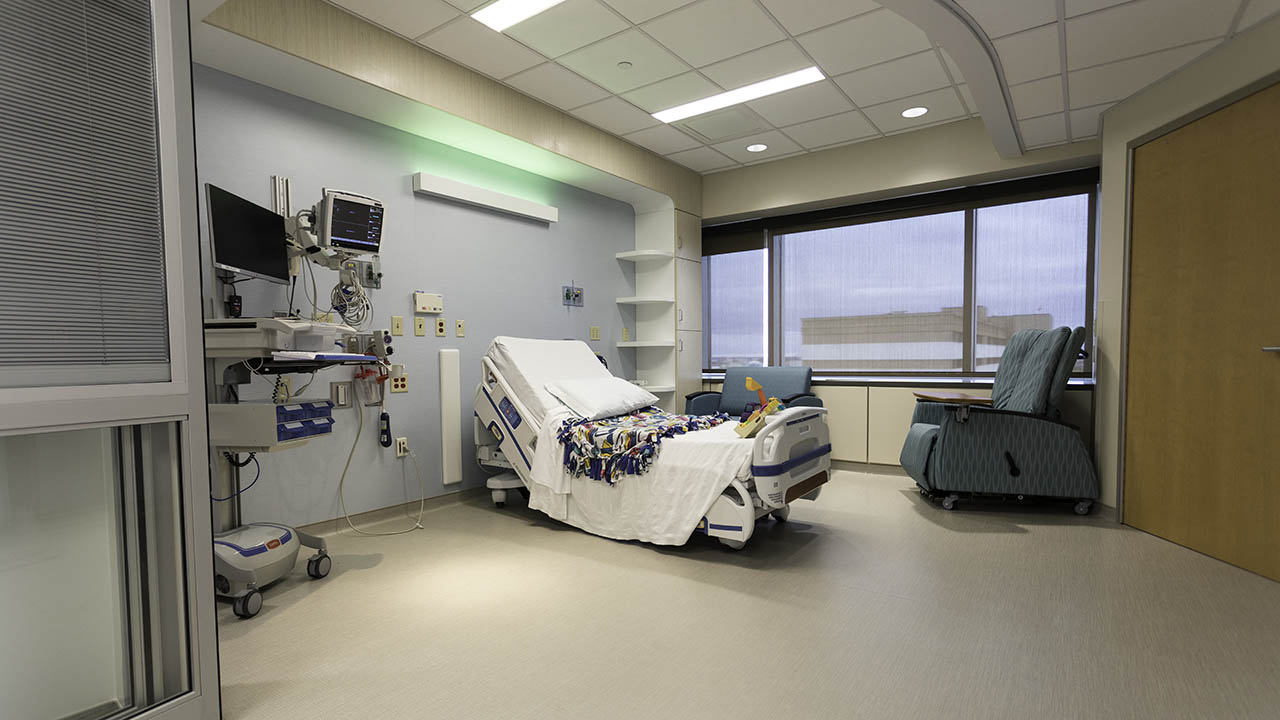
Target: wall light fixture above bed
<point x="428" y="184"/>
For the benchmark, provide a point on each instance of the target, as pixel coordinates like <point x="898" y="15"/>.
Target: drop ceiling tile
<point x="1142" y="27"/>
<point x="1029" y="55"/>
<point x="616" y="115"/>
<point x="599" y="62"/>
<point x="663" y="139"/>
<point x="1085" y="122"/>
<point x="778" y="143"/>
<point x="1042" y="131"/>
<point x="637" y="11"/>
<point x="831" y="130"/>
<point x="724" y="124"/>
<point x="1038" y="97"/>
<point x="800" y="104"/>
<point x="910" y="75"/>
<point x="1118" y="80"/>
<point x="863" y="41"/>
<point x="713" y="30"/>
<point x="952" y="67"/>
<point x="411" y="20"/>
<point x="967" y="96"/>
<point x="1256" y="12"/>
<point x="702" y="159"/>
<point x="943" y="105"/>
<point x="467" y="5"/>
<point x="477" y="46"/>
<point x="567" y="26"/>
<point x="555" y="85"/>
<point x="1001" y="17"/>
<point x="767" y="62"/>
<point x="671" y="92"/>
<point x="801" y="16"/>
<point x="1080" y="7"/>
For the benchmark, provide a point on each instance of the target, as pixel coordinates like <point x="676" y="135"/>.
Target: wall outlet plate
<point x="420" y="327"/>
<point x="440" y="327"/>
<point x="461" y="329"/>
<point x="340" y="394"/>
<point x="626" y="334"/>
<point x="399" y="384"/>
<point x="397" y="325"/>
<point x="402" y="447"/>
<point x="595" y="332"/>
<point x="285" y="391"/>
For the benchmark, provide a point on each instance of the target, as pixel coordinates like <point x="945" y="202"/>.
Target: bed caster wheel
<point x="499" y="497"/>
<point x="949" y="502"/>
<point x="733" y="544"/>
<point x="1083" y="507"/>
<point x="782" y="513"/>
<point x="319" y="566"/>
<point x="247" y="605"/>
<point x="499" y="504"/>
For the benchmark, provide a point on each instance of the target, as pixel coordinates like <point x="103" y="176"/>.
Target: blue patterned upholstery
<point x="779" y="382"/>
<point x="1015" y="447"/>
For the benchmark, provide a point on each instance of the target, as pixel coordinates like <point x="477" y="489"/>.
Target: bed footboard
<point x="792" y="456"/>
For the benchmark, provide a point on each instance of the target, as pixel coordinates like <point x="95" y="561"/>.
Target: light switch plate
<point x="397" y="325"/>
<point x="595" y="332"/>
<point x="461" y="329"/>
<point x="440" y="327"/>
<point x="420" y="327"/>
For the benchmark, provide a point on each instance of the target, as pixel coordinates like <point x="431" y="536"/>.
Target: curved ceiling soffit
<point x="948" y="25"/>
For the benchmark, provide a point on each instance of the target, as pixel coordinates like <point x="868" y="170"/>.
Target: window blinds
<point x="81" y="241"/>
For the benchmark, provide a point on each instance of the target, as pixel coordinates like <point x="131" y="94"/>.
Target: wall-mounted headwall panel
<point x="428" y="184"/>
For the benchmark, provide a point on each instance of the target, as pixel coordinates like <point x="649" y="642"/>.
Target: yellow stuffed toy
<point x="768" y="406"/>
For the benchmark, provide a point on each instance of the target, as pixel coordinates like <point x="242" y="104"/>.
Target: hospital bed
<point x="709" y="481"/>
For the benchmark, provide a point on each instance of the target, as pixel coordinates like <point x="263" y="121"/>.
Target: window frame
<point x="969" y="200"/>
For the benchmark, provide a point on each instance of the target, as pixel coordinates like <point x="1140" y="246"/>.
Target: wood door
<point x="1202" y="432"/>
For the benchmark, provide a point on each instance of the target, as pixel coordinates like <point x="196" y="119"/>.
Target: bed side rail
<point x="791" y="457"/>
<point x="506" y="419"/>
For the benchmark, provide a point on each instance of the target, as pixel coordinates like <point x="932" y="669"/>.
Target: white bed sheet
<point x="662" y="506"/>
<point x="528" y="365"/>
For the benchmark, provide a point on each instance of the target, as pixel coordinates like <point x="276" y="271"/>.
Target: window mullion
<point x="970" y="314"/>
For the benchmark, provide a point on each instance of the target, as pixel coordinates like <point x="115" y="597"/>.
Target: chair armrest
<point x="706" y="402"/>
<point x="952" y="398"/>
<point x="804" y="399"/>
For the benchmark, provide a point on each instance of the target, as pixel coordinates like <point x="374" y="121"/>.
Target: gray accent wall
<point x="500" y="274"/>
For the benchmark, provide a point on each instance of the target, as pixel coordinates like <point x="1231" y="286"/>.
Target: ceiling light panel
<point x="743" y="94"/>
<point x="505" y="13"/>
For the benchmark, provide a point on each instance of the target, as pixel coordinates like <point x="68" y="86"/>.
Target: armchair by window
<point x="788" y="384"/>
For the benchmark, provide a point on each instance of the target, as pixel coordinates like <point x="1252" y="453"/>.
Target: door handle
<point x="680" y="311"/>
<point x="1271" y="348"/>
<point x="681" y="343"/>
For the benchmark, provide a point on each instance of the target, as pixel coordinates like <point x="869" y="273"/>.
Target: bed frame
<point x="790" y="459"/>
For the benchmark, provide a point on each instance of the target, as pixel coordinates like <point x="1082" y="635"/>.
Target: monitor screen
<point x="355" y="225"/>
<point x="247" y="238"/>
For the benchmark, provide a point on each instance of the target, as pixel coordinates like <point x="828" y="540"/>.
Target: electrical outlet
<point x="461" y="329"/>
<point x="284" y="389"/>
<point x="400" y="384"/>
<point x="420" y="327"/>
<point x="440" y="327"/>
<point x="402" y="447"/>
<point x="626" y="334"/>
<point x="397" y="325"/>
<point x="340" y="394"/>
<point x="595" y="332"/>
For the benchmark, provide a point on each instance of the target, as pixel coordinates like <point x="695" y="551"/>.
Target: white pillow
<point x="596" y="398"/>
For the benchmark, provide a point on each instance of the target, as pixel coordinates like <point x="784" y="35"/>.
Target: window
<point x="880" y="296"/>
<point x="738" y="310"/>
<point x="1030" y="267"/>
<point x="927" y="285"/>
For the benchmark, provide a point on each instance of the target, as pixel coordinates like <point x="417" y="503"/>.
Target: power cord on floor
<point x="422" y="489"/>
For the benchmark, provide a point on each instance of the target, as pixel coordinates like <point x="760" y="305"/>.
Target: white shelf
<point x="643" y="255"/>
<point x="657" y="389"/>
<point x="646" y="300"/>
<point x="647" y="343"/>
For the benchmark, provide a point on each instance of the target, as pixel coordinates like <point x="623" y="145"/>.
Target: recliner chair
<point x="1016" y="446"/>
<point x="788" y="384"/>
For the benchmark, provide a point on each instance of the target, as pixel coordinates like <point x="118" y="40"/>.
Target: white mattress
<point x="528" y="365"/>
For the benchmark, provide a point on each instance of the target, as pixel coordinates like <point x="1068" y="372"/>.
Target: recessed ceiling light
<point x="505" y="13"/>
<point x="914" y="112"/>
<point x="741" y="95"/>
<point x="758" y="147"/>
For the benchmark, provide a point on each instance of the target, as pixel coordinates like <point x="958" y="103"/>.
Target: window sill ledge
<point x="910" y="381"/>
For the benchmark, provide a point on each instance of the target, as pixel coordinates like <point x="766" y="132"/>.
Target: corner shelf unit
<point x="647" y="344"/>
<point x="646" y="300"/>
<point x="638" y="256"/>
<point x="651" y="312"/>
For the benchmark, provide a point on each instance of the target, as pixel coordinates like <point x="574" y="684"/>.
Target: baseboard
<point x="409" y="509"/>
<point x="866" y="467"/>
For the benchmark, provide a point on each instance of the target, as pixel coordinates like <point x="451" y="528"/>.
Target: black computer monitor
<point x="247" y="239"/>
